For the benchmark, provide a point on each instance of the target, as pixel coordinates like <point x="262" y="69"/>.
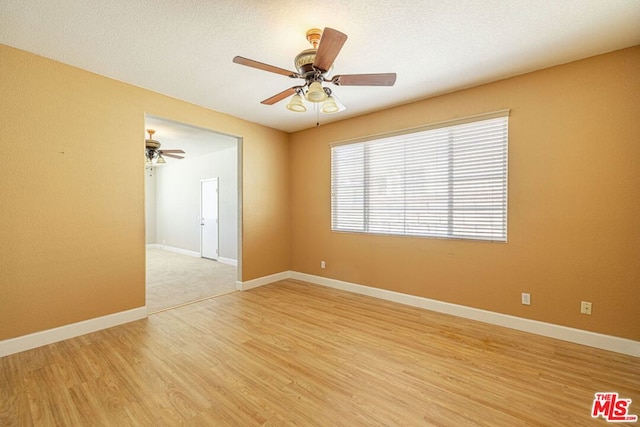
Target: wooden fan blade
<point x="382" y="79"/>
<point x="265" y="67"/>
<point x="173" y="156"/>
<point x="172" y="151"/>
<point x="280" y="96"/>
<point x="330" y="44"/>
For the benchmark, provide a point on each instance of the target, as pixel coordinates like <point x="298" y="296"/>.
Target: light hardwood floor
<point x="291" y="353"/>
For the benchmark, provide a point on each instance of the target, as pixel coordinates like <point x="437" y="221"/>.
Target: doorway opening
<point x="192" y="216"/>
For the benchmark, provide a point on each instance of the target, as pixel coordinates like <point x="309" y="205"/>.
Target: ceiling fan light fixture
<point x="315" y="67"/>
<point x="329" y="106"/>
<point x="296" y="104"/>
<point x="153" y="154"/>
<point x="316" y="93"/>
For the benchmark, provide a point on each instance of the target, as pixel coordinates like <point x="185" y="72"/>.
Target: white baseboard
<point x="195" y="254"/>
<point x="578" y="336"/>
<point x="37" y="339"/>
<point x="261" y="281"/>
<point x="229" y="261"/>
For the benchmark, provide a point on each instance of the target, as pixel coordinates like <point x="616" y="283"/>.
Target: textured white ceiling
<point x="184" y="48"/>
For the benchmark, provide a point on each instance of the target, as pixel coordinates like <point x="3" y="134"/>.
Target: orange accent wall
<point x="72" y="244"/>
<point x="574" y="202"/>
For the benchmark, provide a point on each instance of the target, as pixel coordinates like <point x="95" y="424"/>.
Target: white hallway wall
<point x="150" y="204"/>
<point x="175" y="212"/>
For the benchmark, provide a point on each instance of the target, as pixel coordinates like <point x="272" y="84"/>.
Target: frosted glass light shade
<point x="316" y="93"/>
<point x="329" y="106"/>
<point x="296" y="104"/>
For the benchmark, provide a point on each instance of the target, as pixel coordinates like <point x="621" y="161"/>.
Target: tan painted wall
<point x="574" y="202"/>
<point x="72" y="242"/>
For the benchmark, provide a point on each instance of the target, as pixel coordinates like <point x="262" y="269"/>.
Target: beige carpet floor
<point x="175" y="279"/>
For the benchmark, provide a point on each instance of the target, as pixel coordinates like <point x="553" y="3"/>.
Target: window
<point x="447" y="180"/>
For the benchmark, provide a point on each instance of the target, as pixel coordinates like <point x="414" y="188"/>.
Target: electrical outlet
<point x="526" y="298"/>
<point x="322" y="264"/>
<point x="585" y="307"/>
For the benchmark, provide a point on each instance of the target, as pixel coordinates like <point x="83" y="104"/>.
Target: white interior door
<point x="209" y="218"/>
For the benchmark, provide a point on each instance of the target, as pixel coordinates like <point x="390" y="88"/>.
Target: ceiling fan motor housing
<point x="152" y="144"/>
<point x="304" y="60"/>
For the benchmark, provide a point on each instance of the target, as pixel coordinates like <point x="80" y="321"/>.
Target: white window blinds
<point x="448" y="181"/>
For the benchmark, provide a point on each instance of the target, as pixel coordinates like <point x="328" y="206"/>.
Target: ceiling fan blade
<point x="330" y="44"/>
<point x="173" y="156"/>
<point x="172" y="151"/>
<point x="382" y="79"/>
<point x="265" y="67"/>
<point x="280" y="96"/>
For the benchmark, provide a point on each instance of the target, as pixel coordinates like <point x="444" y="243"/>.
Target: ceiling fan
<point x="153" y="153"/>
<point x="314" y="66"/>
